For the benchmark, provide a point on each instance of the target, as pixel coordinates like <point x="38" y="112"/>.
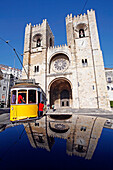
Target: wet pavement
<point x="57" y="142"/>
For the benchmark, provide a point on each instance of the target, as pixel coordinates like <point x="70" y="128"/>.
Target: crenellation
<point x="69" y="18"/>
<point x="81" y="16"/>
<point x="78" y="16"/>
<point x="91" y="10"/>
<point x="71" y="15"/>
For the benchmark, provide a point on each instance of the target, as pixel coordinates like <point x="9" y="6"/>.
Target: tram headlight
<point x="12" y="108"/>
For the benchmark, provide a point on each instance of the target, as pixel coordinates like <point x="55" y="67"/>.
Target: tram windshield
<point x="31" y="96"/>
<point x="22" y="96"/>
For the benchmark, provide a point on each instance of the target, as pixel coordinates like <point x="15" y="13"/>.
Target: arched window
<point x="84" y="63"/>
<point x="50" y="41"/>
<point x="37" y="40"/>
<point x="81" y="33"/>
<point x="36" y="69"/>
<point x="108" y="87"/>
<point x="109" y="79"/>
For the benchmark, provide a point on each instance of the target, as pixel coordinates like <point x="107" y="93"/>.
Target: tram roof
<point x="25" y="85"/>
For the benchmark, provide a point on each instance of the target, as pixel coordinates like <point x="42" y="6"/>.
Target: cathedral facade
<point x="71" y="75"/>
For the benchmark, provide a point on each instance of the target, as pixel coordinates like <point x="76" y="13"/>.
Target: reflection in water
<point x="81" y="132"/>
<point x="37" y="135"/>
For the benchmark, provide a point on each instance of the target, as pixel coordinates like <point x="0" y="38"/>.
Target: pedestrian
<point x="48" y="106"/>
<point x="53" y="107"/>
<point x="41" y="106"/>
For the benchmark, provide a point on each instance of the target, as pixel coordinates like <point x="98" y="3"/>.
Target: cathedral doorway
<point x="60" y="93"/>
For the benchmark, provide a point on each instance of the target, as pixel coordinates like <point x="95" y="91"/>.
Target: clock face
<point x="60" y="64"/>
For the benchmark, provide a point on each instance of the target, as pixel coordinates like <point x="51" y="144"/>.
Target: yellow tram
<point x="24" y="101"/>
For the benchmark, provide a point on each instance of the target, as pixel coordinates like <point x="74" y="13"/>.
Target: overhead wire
<point x="22" y="55"/>
<point x="84" y="6"/>
<point x="15" y="53"/>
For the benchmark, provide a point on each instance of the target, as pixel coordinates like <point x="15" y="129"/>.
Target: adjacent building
<point x="9" y="76"/>
<point x="1" y="75"/>
<point x="109" y="79"/>
<point x="71" y="75"/>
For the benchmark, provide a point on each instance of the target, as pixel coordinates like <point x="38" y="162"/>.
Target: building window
<point x="108" y="87"/>
<point x="111" y="104"/>
<point x="78" y="84"/>
<point x="81" y="33"/>
<point x="93" y="87"/>
<point x="36" y="69"/>
<point x="4" y="88"/>
<point x="109" y="79"/>
<point x="50" y="42"/>
<point x="84" y="63"/>
<point x="111" y="88"/>
<point x="37" y="38"/>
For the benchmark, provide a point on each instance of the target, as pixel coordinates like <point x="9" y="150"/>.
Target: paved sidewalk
<point x="5" y="113"/>
<point x="4" y="119"/>
<point x="89" y="112"/>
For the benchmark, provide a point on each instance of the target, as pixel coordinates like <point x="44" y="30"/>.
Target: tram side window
<point x="22" y="96"/>
<point x="32" y="96"/>
<point x="13" y="97"/>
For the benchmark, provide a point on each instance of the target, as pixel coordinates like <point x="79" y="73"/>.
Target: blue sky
<point x="14" y="15"/>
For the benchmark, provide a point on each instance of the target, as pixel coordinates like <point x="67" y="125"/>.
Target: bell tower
<point x="37" y="39"/>
<point x="83" y="41"/>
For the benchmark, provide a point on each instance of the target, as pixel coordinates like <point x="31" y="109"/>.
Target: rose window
<point x="60" y="64"/>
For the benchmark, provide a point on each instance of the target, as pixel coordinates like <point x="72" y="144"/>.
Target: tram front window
<point x="13" y="97"/>
<point x="22" y="96"/>
<point x="32" y="96"/>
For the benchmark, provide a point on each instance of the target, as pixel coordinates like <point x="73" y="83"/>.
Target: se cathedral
<point x="71" y="75"/>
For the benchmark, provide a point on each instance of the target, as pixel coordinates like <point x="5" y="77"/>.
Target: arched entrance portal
<point x="60" y="93"/>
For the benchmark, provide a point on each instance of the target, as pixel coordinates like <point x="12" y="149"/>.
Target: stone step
<point x="71" y="110"/>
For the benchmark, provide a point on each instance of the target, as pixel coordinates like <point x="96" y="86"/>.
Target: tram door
<point x="64" y="98"/>
<point x="39" y="97"/>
